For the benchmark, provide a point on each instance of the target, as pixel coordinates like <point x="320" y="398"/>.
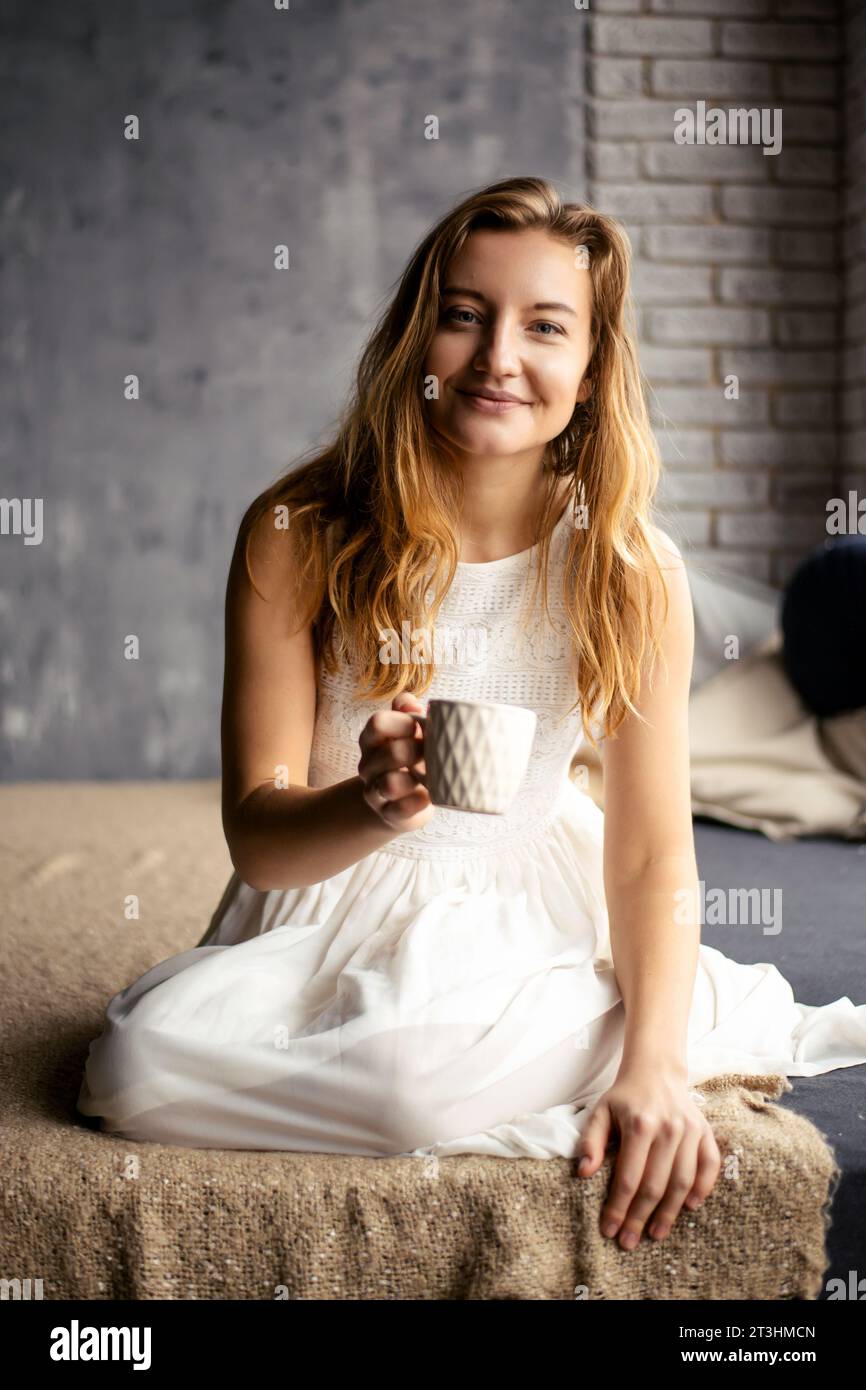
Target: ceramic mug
<point x="476" y="753"/>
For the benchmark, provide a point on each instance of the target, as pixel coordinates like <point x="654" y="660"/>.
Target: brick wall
<point x="745" y="264"/>
<point x="853" y="372"/>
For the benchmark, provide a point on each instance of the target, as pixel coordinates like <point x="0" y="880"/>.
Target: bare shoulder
<point x="673" y="581"/>
<point x="269" y="690"/>
<point x="670" y="552"/>
<point x="265" y="542"/>
<point x="265" y="551"/>
<point x="672" y="605"/>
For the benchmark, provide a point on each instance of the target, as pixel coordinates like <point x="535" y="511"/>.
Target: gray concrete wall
<point x="155" y="257"/>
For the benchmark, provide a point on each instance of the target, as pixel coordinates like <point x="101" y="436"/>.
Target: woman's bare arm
<point x="280" y="837"/>
<point x="650" y="869"/>
<point x="668" y="1155"/>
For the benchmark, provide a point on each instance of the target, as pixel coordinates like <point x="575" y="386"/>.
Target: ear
<point x="584" y="390"/>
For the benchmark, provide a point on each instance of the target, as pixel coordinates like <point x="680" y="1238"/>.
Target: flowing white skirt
<point x="424" y="1007"/>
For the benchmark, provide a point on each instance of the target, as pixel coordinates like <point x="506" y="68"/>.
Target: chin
<point x="484" y="436"/>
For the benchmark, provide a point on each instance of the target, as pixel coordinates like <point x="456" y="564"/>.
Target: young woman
<point x="383" y="976"/>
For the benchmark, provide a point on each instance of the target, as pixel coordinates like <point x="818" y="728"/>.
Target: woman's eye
<point x="451" y="312"/>
<point x="450" y="315"/>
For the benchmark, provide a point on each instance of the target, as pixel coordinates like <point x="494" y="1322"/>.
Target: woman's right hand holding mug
<point x="392" y="764"/>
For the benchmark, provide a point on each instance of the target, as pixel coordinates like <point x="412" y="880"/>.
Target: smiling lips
<point x="492" y="404"/>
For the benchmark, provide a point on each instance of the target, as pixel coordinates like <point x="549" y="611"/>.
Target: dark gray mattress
<point x="820" y="950"/>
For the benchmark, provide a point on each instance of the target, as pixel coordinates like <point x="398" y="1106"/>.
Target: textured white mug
<point x="476" y="753"/>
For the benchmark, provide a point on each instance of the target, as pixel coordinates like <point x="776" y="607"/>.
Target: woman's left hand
<point x="667" y="1156"/>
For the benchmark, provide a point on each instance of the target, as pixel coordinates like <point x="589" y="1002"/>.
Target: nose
<point x="498" y="354"/>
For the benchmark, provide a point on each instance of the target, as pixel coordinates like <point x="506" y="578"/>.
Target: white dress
<point x="451" y="993"/>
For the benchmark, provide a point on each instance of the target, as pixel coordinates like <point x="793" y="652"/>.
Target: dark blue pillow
<point x="824" y="627"/>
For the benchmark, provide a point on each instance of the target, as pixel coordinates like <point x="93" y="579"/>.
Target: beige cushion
<point x="760" y="760"/>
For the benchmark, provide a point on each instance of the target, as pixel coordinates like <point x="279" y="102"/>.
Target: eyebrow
<point x="474" y="294"/>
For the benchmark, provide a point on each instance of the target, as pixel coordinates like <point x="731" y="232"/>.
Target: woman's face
<point x="514" y="317"/>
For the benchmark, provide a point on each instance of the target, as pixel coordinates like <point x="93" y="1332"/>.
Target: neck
<point x="502" y="507"/>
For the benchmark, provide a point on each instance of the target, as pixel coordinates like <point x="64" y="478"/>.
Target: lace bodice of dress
<point x="482" y="653"/>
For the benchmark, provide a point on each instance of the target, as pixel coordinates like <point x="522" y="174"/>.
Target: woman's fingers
<point x="699" y="1162"/>
<point x="386" y="725"/>
<point x="392" y="766"/>
<point x="679" y="1162"/>
<point x="636" y="1137"/>
<point x="399" y="800"/>
<point x="397" y="753"/>
<point x="593" y="1140"/>
<point x="389" y="741"/>
<point x="659" y="1174"/>
<point x="668" y="1156"/>
<point x="394" y="785"/>
<point x="709" y="1167"/>
<point x="682" y="1176"/>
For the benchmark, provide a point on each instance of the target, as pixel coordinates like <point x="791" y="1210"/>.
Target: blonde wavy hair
<point x="373" y="517"/>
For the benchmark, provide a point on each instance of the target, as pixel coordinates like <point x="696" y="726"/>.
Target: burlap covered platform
<point x="100" y="1218"/>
